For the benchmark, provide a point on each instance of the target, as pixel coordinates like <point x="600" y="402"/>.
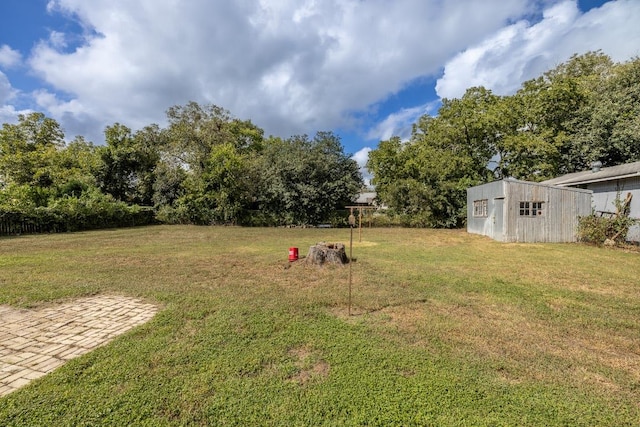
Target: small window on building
<point x="480" y="208"/>
<point x="531" y="208"/>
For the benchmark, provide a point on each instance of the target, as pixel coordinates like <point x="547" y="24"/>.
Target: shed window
<point x="480" y="208"/>
<point x="531" y="208"/>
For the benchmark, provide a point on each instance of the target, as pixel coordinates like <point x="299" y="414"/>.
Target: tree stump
<point x="327" y="253"/>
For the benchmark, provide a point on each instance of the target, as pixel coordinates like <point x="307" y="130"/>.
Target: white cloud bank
<point x="503" y="60"/>
<point x="400" y="123"/>
<point x="298" y="66"/>
<point x="292" y="66"/>
<point x="361" y="157"/>
<point x="9" y="57"/>
<point x="523" y="51"/>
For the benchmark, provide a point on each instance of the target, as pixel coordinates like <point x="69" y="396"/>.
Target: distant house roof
<point x="366" y="198"/>
<point x="627" y="170"/>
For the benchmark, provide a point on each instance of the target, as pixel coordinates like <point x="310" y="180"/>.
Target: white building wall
<point x="492" y="224"/>
<point x="605" y="194"/>
<point x="558" y="223"/>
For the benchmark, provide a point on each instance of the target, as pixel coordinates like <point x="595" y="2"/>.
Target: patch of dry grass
<point x="540" y="320"/>
<point x="309" y="365"/>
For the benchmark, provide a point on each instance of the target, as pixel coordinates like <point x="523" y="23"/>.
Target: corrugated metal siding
<point x="526" y="229"/>
<point x="634" y="234"/>
<point x="570" y="206"/>
<point x="562" y="207"/>
<point x="491" y="225"/>
<point x="560" y="218"/>
<point x="605" y="194"/>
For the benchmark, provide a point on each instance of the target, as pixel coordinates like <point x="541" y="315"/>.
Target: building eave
<point x="572" y="182"/>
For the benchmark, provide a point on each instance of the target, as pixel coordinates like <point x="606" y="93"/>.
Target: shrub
<point x="91" y="210"/>
<point x="596" y="229"/>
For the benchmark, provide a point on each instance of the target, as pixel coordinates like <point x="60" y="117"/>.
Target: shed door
<point x="498" y="219"/>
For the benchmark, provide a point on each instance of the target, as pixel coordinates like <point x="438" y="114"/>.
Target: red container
<point x="293" y="254"/>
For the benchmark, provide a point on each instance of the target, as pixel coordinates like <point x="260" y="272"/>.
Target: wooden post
<point x="350" y="262"/>
<point x="352" y="222"/>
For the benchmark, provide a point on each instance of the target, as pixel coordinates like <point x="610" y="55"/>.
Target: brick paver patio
<point x="35" y="342"/>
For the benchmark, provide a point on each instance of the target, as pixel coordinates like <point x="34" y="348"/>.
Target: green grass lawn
<point x="446" y="329"/>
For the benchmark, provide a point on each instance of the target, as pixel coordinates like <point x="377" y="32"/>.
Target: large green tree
<point x="27" y="150"/>
<point x="583" y="110"/>
<point x="424" y="179"/>
<point x="128" y="163"/>
<point x="75" y="168"/>
<point x="305" y="181"/>
<point x="612" y="132"/>
<point x="541" y="122"/>
<point x="221" y="193"/>
<point x="194" y="130"/>
<point x="206" y="173"/>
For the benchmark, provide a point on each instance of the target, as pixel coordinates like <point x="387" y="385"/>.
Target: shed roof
<point x="627" y="170"/>
<point x="539" y="184"/>
<point x="366" y="197"/>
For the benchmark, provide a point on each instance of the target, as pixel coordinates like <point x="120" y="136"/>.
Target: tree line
<point x="208" y="167"/>
<point x="584" y="110"/>
<point x="204" y="167"/>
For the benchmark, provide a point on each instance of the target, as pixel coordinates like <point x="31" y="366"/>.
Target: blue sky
<point x="366" y="69"/>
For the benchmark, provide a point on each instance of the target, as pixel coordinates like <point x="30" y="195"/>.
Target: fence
<point x="10" y="227"/>
<point x="16" y="223"/>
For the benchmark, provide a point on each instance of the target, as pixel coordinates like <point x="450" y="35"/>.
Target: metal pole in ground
<point x="352" y="222"/>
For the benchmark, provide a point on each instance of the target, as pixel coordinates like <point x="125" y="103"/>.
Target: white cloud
<point x="9" y="114"/>
<point x="6" y="91"/>
<point x="292" y="66"/>
<point x="299" y="66"/>
<point x="523" y="50"/>
<point x="9" y="57"/>
<point x="57" y="40"/>
<point x="400" y="123"/>
<point x="362" y="157"/>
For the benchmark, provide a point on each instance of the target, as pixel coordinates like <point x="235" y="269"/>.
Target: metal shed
<point x="608" y="184"/>
<point x="521" y="211"/>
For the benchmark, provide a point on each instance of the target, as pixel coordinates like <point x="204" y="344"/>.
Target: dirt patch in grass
<point x="309" y="365"/>
<point x="516" y="345"/>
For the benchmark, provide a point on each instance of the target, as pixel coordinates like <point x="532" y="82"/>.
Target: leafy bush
<point x="597" y="229"/>
<point x="385" y="220"/>
<point x="168" y="214"/>
<point x="91" y="210"/>
<point x="258" y="218"/>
